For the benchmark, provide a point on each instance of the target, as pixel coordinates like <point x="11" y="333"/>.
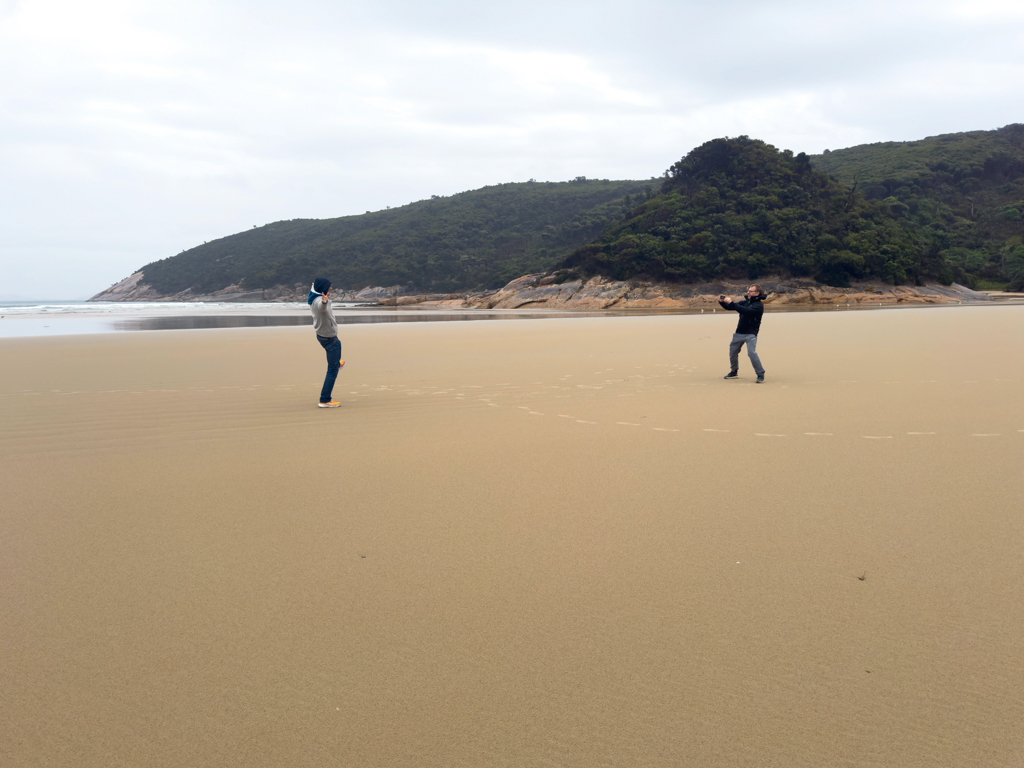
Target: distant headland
<point x="940" y="219"/>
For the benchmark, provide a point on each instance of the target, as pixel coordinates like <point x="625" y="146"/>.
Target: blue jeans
<point x="333" y="347"/>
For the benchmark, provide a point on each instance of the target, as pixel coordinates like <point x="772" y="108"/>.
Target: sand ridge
<point x="560" y="542"/>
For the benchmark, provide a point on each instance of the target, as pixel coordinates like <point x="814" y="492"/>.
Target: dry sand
<point x="523" y="543"/>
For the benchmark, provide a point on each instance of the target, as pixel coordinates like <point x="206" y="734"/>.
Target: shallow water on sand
<point x="84" y="324"/>
<point x="78" y="318"/>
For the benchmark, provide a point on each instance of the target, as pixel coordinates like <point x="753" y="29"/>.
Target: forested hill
<point x="946" y="208"/>
<point x="477" y="239"/>
<point x="962" y="192"/>
<point x="942" y="209"/>
<point x="741" y="209"/>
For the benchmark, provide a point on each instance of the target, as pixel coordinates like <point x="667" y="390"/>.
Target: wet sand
<point x="556" y="543"/>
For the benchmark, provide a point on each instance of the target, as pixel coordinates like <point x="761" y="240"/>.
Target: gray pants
<point x="738" y="340"/>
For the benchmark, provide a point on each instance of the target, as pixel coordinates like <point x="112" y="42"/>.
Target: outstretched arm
<point x="746" y="309"/>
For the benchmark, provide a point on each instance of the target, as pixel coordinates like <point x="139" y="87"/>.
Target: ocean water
<point x="42" y="318"/>
<point x="103" y="308"/>
<point x="61" y="318"/>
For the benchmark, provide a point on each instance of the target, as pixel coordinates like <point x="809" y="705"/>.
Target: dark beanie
<point x="320" y="285"/>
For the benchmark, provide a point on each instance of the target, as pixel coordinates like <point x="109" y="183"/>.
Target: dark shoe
<point x="732" y="375"/>
<point x="760" y="379"/>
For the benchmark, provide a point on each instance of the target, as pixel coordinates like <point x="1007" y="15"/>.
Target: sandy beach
<point x="548" y="543"/>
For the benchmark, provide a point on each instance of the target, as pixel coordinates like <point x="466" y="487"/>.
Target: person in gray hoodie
<point x="326" y="328"/>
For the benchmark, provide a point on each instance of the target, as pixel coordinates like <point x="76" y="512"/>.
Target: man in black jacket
<point x="750" y="311"/>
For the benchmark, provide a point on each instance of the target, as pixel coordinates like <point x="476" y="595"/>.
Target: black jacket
<point x="750" y="314"/>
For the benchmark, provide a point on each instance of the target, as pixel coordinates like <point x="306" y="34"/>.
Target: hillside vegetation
<point x="478" y="239"/>
<point x="946" y="208"/>
<point x="740" y="208"/>
<point x="942" y="209"/>
<point x="962" y="193"/>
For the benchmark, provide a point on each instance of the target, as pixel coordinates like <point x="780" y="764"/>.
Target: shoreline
<point x="563" y="290"/>
<point x="81" y="318"/>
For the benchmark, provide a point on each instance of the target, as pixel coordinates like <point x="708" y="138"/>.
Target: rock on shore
<point x="552" y="292"/>
<point x="134" y="288"/>
<point x="544" y="292"/>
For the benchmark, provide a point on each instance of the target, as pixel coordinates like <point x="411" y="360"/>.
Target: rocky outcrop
<point x="555" y="292"/>
<point x="134" y="288"/>
<point x="130" y="289"/>
<point x="543" y="292"/>
<point x="376" y="294"/>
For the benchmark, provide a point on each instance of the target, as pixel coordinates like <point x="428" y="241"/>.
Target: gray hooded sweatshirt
<point x="323" y="318"/>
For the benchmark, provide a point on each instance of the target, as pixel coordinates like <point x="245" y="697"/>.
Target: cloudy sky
<point x="131" y="130"/>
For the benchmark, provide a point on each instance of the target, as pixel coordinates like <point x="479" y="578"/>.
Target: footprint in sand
<point x="663" y="429"/>
<point x="986" y="434"/>
<point x="877" y="437"/>
<point x="581" y="421"/>
<point x="627" y="423"/>
<point x="716" y="430"/>
<point x="766" y="434"/>
<point x="819" y="434"/>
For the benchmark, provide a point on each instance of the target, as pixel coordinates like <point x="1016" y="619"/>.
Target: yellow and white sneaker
<point x="331" y="404"/>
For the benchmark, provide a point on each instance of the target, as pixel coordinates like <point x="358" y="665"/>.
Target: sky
<point x="132" y="130"/>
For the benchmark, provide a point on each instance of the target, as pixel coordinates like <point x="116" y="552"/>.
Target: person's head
<point x="322" y="286"/>
<point x="753" y="291"/>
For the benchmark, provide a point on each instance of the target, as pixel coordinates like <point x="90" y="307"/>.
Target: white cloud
<point x="132" y="130"/>
<point x="984" y="10"/>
